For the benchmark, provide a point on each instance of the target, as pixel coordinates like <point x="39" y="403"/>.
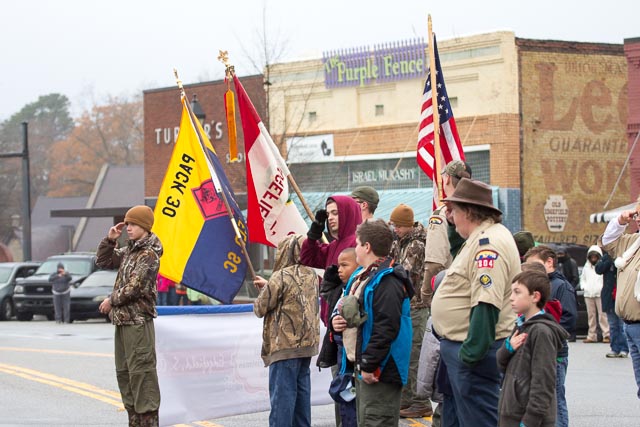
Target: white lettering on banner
<point x="204" y="359"/>
<point x="164" y="135"/>
<point x="402" y="174"/>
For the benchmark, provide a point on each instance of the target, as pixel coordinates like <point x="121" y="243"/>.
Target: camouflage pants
<point x="135" y="357"/>
<point x="419" y="317"/>
<point x="150" y="419"/>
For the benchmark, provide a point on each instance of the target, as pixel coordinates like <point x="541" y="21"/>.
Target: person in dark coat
<point x="61" y="289"/>
<point x="609" y="272"/>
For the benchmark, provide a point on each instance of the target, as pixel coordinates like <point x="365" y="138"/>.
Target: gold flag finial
<point x="223" y="56"/>
<point x="229" y="69"/>
<point x="179" y="82"/>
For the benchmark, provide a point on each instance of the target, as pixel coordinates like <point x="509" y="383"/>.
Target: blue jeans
<point x="632" y="331"/>
<point x="616" y="333"/>
<point x="290" y="393"/>
<point x="168" y="298"/>
<point x="562" y="418"/>
<point x="475" y="390"/>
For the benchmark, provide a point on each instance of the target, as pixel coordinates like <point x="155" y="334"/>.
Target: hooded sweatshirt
<point x="321" y="255"/>
<point x="289" y="305"/>
<point x="590" y="281"/>
<point x="529" y="387"/>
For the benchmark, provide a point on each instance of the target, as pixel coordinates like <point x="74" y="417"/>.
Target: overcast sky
<point x="89" y="49"/>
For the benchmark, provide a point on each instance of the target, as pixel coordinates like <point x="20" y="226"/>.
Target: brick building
<point x="632" y="53"/>
<point x="541" y="121"/>
<point x="574" y="114"/>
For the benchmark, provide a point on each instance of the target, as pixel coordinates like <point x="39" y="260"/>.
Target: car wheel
<point x="51" y="316"/>
<point x="24" y="316"/>
<point x="6" y="309"/>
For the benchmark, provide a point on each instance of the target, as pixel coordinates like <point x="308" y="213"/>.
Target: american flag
<point x="450" y="146"/>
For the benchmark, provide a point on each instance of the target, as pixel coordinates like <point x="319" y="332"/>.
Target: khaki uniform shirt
<point x="482" y="272"/>
<point x="437" y="247"/>
<point x="627" y="307"/>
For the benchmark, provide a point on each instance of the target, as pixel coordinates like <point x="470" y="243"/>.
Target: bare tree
<point x="111" y="133"/>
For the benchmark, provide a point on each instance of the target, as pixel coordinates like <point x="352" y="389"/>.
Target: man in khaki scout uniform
<point x="442" y="242"/>
<point x="624" y="248"/>
<point x="471" y="310"/>
<point x="132" y="308"/>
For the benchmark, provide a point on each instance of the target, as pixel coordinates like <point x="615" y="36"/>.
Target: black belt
<point x="630" y="322"/>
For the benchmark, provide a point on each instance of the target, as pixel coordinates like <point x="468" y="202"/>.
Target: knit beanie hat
<point x="402" y="215"/>
<point x="140" y="215"/>
<point x="60" y="266"/>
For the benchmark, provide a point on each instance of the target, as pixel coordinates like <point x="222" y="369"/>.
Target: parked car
<point x="9" y="273"/>
<point x="86" y="299"/>
<point x="33" y="295"/>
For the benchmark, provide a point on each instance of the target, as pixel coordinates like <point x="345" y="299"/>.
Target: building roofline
<point x="570" y="46"/>
<point x="195" y="85"/>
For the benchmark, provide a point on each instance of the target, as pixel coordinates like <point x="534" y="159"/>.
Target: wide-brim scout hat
<point x="474" y="193"/>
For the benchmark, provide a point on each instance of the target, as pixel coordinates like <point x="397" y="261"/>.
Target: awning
<point x="607" y="216"/>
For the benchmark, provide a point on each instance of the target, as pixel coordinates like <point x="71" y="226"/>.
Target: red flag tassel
<point x="230" y="109"/>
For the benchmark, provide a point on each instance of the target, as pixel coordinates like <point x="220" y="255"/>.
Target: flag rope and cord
<point x="214" y="178"/>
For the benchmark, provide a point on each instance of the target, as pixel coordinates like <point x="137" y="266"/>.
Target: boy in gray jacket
<point x="528" y="356"/>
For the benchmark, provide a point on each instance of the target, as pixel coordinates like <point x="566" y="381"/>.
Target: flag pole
<point x="436" y="114"/>
<point x="230" y="73"/>
<point x="239" y="238"/>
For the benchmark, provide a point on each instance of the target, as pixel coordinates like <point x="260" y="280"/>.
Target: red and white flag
<point x="271" y="215"/>
<point x="450" y="146"/>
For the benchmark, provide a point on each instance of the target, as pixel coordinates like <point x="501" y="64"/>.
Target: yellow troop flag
<point x="200" y="245"/>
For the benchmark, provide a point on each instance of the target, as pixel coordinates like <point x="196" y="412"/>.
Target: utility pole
<point x="26" y="193"/>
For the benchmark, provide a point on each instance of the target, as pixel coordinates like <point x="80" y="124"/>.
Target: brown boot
<point x="134" y="419"/>
<point x="149" y="419"/>
<point x="416" y="412"/>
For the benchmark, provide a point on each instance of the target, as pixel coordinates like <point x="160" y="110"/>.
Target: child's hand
<point x="517" y="340"/>
<point x="339" y="323"/>
<point x="259" y="282"/>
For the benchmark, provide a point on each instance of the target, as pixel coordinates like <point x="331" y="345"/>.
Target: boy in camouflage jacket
<point x="132" y="308"/>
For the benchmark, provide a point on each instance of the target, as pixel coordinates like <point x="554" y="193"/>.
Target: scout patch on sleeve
<point x="435" y="220"/>
<point x="483" y="241"/>
<point x="486" y="258"/>
<point x="486" y="281"/>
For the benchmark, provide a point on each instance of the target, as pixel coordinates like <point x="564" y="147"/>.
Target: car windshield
<point x="80" y="267"/>
<point x="5" y="273"/>
<point x="100" y="278"/>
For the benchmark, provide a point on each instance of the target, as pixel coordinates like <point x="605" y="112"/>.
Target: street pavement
<point x="55" y="375"/>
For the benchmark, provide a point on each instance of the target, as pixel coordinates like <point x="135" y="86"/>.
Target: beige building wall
<point x="482" y="80"/>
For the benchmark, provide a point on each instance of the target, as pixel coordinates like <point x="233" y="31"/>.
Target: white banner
<point x="209" y="366"/>
<point x="310" y="149"/>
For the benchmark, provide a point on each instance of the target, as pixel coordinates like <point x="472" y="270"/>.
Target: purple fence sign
<point x="386" y="62"/>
